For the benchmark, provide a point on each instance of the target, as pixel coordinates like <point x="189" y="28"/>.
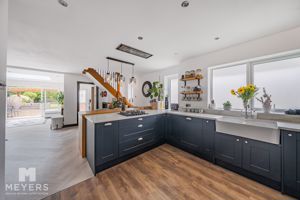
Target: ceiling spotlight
<point x="63" y="3"/>
<point x="185" y="4"/>
<point x="217" y="38"/>
<point x="140" y="38"/>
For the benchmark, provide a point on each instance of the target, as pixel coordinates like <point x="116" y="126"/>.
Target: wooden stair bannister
<point x="98" y="79"/>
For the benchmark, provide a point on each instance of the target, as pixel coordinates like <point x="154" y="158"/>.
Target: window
<point x="171" y="88"/>
<point x="225" y="79"/>
<point x="174" y="91"/>
<point x="281" y="79"/>
<point x="279" y="76"/>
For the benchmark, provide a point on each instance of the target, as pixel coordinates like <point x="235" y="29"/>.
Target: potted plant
<point x="60" y="100"/>
<point x="227" y="105"/>
<point x="246" y="93"/>
<point x="266" y="101"/>
<point x="156" y="94"/>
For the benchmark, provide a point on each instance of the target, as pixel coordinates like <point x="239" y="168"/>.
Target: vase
<point x="246" y="107"/>
<point x="267" y="108"/>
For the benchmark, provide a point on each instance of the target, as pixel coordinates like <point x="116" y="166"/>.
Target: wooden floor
<point x="54" y="154"/>
<point x="168" y="173"/>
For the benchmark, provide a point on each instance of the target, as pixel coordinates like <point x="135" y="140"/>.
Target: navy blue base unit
<point x="257" y="160"/>
<point x="291" y="163"/>
<point x="110" y="143"/>
<point x="277" y="166"/>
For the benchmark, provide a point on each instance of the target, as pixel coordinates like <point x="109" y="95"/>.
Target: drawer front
<point x="133" y="145"/>
<point x="133" y="128"/>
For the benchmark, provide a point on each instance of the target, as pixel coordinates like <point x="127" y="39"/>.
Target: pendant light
<point x="122" y="78"/>
<point x="132" y="79"/>
<point x="108" y="76"/>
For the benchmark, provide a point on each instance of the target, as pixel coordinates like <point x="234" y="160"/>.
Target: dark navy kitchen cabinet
<point x="161" y="123"/>
<point x="228" y="148"/>
<point x="291" y="162"/>
<point x="138" y="133"/>
<point x="262" y="158"/>
<point x="133" y="128"/>
<point x="174" y="129"/>
<point x="208" y="134"/>
<point x="106" y="142"/>
<point x="191" y="133"/>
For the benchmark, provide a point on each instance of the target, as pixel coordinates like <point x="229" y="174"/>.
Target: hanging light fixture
<point x="122" y="77"/>
<point x="108" y="76"/>
<point x="132" y="79"/>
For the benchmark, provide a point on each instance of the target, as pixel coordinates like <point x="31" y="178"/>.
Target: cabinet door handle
<point x="237" y="140"/>
<point x="107" y="124"/>
<point x="140" y="119"/>
<point x="140" y="125"/>
<point x="140" y="139"/>
<point x="207" y="122"/>
<point x="188" y="118"/>
<point x="290" y="135"/>
<point x="246" y="142"/>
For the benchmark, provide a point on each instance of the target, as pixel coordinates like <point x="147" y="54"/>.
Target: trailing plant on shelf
<point x="227" y="105"/>
<point x="266" y="101"/>
<point x="246" y="93"/>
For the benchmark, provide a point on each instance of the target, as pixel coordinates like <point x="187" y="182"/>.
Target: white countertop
<point x="101" y="118"/>
<point x="289" y="126"/>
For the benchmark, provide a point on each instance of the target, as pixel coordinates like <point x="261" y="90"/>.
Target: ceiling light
<point x="185" y="4"/>
<point x="63" y="3"/>
<point x="133" y="51"/>
<point x="140" y="38"/>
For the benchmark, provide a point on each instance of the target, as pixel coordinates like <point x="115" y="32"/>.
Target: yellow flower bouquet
<point x="246" y="93"/>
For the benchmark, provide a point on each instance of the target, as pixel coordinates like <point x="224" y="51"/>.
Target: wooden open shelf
<point x="192" y="78"/>
<point x="192" y="92"/>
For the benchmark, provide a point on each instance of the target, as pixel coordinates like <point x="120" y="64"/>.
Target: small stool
<point x="57" y="122"/>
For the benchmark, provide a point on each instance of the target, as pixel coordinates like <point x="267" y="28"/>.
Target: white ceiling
<point x="45" y="35"/>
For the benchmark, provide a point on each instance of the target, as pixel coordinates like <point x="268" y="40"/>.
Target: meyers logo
<point x="27" y="183"/>
<point x="30" y="173"/>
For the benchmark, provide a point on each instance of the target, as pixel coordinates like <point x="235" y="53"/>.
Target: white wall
<point x="70" y="92"/>
<point x="277" y="43"/>
<point x="3" y="47"/>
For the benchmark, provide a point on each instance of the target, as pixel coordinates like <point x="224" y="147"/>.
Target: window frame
<point x="250" y="64"/>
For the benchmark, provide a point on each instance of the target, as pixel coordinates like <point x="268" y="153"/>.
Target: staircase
<point x="99" y="81"/>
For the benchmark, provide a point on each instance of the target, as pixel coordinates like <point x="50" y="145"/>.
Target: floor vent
<point x="133" y="51"/>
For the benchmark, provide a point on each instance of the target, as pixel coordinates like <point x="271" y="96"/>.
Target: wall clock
<point x="145" y="88"/>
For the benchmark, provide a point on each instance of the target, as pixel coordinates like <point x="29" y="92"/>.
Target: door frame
<point x="78" y="90"/>
<point x="3" y="90"/>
